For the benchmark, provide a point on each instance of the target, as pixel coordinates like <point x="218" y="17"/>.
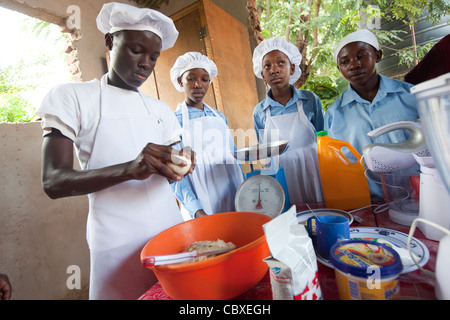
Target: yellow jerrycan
<point x="344" y="184"/>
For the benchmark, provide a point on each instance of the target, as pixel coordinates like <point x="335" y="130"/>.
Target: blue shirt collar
<point x="298" y="94"/>
<point x="387" y="86"/>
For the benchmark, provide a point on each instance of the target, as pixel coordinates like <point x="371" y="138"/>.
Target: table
<point x="413" y="285"/>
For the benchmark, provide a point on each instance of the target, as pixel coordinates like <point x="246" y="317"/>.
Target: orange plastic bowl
<point x="223" y="277"/>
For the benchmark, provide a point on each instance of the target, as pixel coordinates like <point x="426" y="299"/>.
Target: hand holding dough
<point x="178" y="169"/>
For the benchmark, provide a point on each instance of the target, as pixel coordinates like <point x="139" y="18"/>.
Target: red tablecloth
<point x="414" y="285"/>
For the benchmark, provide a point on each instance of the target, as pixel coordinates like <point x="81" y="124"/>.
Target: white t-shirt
<point x="74" y="109"/>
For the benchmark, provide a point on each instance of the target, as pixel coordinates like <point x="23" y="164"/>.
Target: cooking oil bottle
<point x="344" y="184"/>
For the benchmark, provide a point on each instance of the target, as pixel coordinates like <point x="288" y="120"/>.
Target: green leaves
<point x="15" y="108"/>
<point x="30" y="66"/>
<point x="407" y="55"/>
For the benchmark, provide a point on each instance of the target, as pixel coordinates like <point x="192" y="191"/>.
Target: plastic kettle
<point x="441" y="277"/>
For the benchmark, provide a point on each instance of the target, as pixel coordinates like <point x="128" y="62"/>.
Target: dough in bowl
<point x="208" y="245"/>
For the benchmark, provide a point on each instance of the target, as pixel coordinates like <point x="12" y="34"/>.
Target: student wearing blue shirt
<point x="212" y="186"/>
<point x="371" y="100"/>
<point x="289" y="114"/>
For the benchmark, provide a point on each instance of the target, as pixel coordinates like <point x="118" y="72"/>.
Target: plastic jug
<point x="344" y="184"/>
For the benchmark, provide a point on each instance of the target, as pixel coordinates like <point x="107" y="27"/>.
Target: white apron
<point x="124" y="217"/>
<point x="299" y="161"/>
<point x="217" y="174"/>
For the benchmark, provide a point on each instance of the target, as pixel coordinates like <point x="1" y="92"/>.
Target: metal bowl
<point x="261" y="151"/>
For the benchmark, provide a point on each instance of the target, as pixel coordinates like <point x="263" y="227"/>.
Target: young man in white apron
<point x="289" y="114"/>
<point x="118" y="133"/>
<point x="218" y="175"/>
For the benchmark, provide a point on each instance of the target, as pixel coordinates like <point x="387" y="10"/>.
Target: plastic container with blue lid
<point x="366" y="270"/>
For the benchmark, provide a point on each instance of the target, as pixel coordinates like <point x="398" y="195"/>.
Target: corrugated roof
<point x="425" y="32"/>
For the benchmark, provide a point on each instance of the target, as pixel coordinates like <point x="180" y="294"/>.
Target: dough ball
<point x="178" y="169"/>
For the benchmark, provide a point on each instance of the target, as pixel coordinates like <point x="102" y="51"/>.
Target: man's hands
<point x="153" y="160"/>
<point x="60" y="179"/>
<point x="5" y="287"/>
<point x="200" y="213"/>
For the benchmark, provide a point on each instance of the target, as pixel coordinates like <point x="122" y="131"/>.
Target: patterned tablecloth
<point x="414" y="285"/>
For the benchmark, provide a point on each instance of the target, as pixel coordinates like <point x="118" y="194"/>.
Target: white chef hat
<point x="280" y="44"/>
<point x="189" y="61"/>
<point x="116" y="16"/>
<point x="363" y="35"/>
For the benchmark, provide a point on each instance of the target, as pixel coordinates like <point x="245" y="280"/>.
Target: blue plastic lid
<point x="358" y="257"/>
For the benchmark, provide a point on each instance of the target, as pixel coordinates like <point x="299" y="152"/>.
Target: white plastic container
<point x="434" y="204"/>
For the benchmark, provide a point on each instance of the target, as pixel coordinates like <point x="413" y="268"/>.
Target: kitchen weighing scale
<point x="265" y="190"/>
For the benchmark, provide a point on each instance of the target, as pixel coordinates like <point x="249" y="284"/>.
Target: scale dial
<point x="260" y="193"/>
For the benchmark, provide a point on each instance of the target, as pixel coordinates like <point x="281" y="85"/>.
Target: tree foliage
<point x="35" y="65"/>
<point x="316" y="26"/>
<point x="14" y="107"/>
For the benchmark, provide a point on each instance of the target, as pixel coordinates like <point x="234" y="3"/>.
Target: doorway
<point x="32" y="60"/>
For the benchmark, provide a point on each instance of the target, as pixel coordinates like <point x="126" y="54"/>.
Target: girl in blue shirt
<point x="212" y="186"/>
<point x="289" y="114"/>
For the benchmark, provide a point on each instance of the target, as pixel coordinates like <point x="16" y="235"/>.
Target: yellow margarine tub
<point x="366" y="270"/>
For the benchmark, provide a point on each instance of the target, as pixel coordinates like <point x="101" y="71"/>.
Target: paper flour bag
<point x="293" y="265"/>
<point x="280" y="279"/>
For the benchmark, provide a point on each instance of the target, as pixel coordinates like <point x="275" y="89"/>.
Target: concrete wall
<point x="39" y="237"/>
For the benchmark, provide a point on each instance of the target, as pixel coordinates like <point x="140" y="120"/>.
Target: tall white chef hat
<point x="189" y="61"/>
<point x="116" y="16"/>
<point x="280" y="44"/>
<point x="363" y="35"/>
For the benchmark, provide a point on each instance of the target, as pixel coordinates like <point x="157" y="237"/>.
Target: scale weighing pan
<point x="261" y="151"/>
